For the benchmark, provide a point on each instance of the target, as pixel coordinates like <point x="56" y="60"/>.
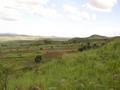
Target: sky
<point x="63" y="18"/>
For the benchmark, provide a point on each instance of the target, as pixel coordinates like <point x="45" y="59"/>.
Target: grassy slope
<point x="97" y="37"/>
<point x="89" y="70"/>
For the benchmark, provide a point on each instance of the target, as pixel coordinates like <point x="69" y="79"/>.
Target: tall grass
<point x="97" y="69"/>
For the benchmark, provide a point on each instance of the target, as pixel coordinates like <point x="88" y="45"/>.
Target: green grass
<point x="94" y="69"/>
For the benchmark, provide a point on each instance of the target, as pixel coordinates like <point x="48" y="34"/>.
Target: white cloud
<point x="77" y="14"/>
<point x="43" y="2"/>
<point x="101" y="5"/>
<point x="42" y="11"/>
<point x="9" y="14"/>
<point x="12" y="9"/>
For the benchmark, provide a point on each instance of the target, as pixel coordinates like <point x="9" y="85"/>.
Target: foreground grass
<point x="89" y="70"/>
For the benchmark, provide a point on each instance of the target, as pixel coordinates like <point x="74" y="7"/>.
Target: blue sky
<point x="68" y="18"/>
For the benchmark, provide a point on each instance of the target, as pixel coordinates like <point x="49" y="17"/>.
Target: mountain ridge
<point x="13" y="36"/>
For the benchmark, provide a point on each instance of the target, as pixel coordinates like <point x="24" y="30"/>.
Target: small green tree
<point x="38" y="59"/>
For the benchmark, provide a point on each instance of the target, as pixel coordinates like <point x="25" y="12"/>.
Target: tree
<point x="38" y="59"/>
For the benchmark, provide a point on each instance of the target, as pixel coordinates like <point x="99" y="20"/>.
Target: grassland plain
<point x="91" y="69"/>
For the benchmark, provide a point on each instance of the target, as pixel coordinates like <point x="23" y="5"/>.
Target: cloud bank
<point x="78" y="14"/>
<point x="102" y="5"/>
<point x="13" y="10"/>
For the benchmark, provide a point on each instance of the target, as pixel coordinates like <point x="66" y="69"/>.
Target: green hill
<point x="89" y="39"/>
<point x="94" y="69"/>
<point x="97" y="37"/>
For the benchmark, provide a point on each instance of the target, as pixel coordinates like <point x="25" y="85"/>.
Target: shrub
<point x="38" y="59"/>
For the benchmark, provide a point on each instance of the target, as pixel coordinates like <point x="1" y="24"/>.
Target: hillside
<point x="90" y="38"/>
<point x="97" y="37"/>
<point x="94" y="69"/>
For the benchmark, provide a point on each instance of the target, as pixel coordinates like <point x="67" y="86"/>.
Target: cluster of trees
<point x="89" y="45"/>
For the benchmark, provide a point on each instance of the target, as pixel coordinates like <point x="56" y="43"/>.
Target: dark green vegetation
<point x="76" y="64"/>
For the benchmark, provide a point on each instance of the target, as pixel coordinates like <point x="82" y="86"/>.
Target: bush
<point x="38" y="59"/>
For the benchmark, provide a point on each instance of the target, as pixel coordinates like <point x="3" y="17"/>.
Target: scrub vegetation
<point x="76" y="64"/>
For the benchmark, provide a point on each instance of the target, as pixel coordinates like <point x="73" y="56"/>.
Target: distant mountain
<point x="12" y="34"/>
<point x="12" y="37"/>
<point x="91" y="38"/>
<point x="7" y="34"/>
<point x="97" y="37"/>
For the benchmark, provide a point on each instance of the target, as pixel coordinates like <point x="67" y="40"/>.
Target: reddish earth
<point x="57" y="53"/>
<point x="48" y="53"/>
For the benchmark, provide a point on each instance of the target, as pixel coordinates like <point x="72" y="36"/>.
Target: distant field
<point x="11" y="38"/>
<point x="28" y="37"/>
